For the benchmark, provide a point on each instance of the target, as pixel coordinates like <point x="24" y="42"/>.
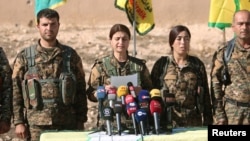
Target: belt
<point x="234" y="102"/>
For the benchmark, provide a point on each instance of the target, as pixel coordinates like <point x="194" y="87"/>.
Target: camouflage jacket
<point x="184" y="84"/>
<point x="49" y="65"/>
<point x="97" y="75"/>
<point x="238" y="68"/>
<point x="5" y="88"/>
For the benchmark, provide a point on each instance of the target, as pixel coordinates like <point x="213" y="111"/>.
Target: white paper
<point x="123" y="80"/>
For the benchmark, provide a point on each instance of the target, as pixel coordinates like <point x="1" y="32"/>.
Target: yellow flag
<point x="120" y="4"/>
<point x="41" y="4"/>
<point x="144" y="17"/>
<point x="221" y="12"/>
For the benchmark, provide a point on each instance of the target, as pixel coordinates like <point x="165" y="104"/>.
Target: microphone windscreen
<point x="155" y="93"/>
<point x="131" y="108"/>
<point x="108" y="113"/>
<point x="122" y="91"/>
<point x="118" y="108"/>
<point x="129" y="99"/>
<point x="130" y="84"/>
<point x="101" y="92"/>
<point x="141" y="115"/>
<point x="111" y="97"/>
<point x="144" y="96"/>
<point x="112" y="94"/>
<point x="155" y="106"/>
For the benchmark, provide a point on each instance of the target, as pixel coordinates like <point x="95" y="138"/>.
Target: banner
<point x="120" y="4"/>
<point x="144" y="18"/>
<point x="41" y="4"/>
<point x="222" y="11"/>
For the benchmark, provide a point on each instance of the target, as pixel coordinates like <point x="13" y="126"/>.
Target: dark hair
<point x="48" y="13"/>
<point x="174" y="33"/>
<point x="119" y="27"/>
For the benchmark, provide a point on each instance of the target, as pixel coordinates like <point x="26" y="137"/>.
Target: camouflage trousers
<point x="36" y="131"/>
<point x="237" y="115"/>
<point x="186" y="117"/>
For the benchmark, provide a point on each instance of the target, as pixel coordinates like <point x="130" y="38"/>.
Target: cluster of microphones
<point x="143" y="108"/>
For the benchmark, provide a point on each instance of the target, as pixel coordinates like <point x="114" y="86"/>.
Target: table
<point x="178" y="134"/>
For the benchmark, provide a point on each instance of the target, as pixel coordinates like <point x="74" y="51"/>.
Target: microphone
<point x="141" y="118"/>
<point x="111" y="97"/>
<point x="131" y="89"/>
<point x="156" y="94"/>
<point x="144" y="98"/>
<point x="118" y="110"/>
<point x="129" y="99"/>
<point x="155" y="109"/>
<point x="121" y="92"/>
<point x="108" y="116"/>
<point x="131" y="109"/>
<point x="101" y="94"/>
<point x="169" y="100"/>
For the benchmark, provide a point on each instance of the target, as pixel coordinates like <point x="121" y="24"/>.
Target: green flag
<point x="221" y="12"/>
<point x="41" y="4"/>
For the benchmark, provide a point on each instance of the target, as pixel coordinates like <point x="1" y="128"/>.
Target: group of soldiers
<point x="45" y="89"/>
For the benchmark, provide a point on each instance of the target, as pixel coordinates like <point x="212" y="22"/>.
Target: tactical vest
<point x="33" y="87"/>
<point x="135" y="66"/>
<point x="184" y="84"/>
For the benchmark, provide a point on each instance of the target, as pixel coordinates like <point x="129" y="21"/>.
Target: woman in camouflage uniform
<point x="119" y="63"/>
<point x="5" y="93"/>
<point x="184" y="76"/>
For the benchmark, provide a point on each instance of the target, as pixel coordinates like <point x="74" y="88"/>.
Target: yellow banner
<point x="120" y="4"/>
<point x="221" y="12"/>
<point x="144" y="17"/>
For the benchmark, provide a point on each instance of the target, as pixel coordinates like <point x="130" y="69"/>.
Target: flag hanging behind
<point x="120" y="4"/>
<point x="221" y="12"/>
<point x="41" y="4"/>
<point x="144" y="17"/>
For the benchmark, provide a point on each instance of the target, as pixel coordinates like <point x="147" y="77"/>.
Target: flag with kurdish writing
<point x="144" y="18"/>
<point x="221" y="12"/>
<point x="41" y="4"/>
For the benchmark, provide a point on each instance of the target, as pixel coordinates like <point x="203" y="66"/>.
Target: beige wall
<point x="99" y="12"/>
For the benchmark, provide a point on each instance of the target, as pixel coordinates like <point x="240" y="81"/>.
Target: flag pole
<point x="134" y="29"/>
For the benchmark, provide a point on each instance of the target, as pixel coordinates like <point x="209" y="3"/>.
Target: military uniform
<point x="187" y="83"/>
<point x="232" y="102"/>
<point x="49" y="111"/>
<point x="100" y="73"/>
<point x="5" y="89"/>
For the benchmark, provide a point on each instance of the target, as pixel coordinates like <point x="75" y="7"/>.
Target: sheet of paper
<point x="123" y="80"/>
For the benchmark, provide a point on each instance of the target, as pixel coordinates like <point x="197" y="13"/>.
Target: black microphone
<point x="141" y="117"/>
<point x="131" y="109"/>
<point x="144" y="99"/>
<point x="101" y="94"/>
<point x="111" y="96"/>
<point x="131" y="89"/>
<point x="108" y="116"/>
<point x="155" y="109"/>
<point x="118" y="109"/>
<point x="169" y="100"/>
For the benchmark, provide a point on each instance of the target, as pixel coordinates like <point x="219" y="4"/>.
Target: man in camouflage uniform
<point x="112" y="65"/>
<point x="184" y="77"/>
<point x="5" y="93"/>
<point x="43" y="102"/>
<point x="232" y="101"/>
